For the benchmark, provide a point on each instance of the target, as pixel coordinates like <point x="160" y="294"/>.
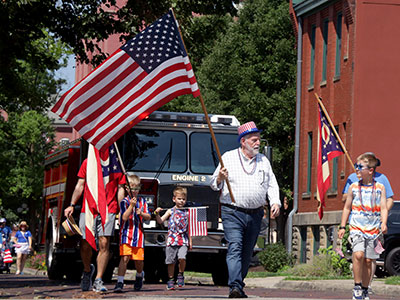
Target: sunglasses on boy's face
<point x="360" y="167"/>
<point x="134" y="188"/>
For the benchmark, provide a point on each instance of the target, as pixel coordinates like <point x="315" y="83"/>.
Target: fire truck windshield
<point x="146" y="150"/>
<point x="203" y="157"/>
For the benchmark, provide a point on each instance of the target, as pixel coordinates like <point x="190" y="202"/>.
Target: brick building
<point x="348" y="54"/>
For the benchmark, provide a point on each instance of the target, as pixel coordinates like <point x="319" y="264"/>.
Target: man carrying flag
<point x="101" y="180"/>
<point x="328" y="148"/>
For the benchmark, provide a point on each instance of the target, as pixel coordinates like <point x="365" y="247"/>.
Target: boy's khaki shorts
<point x="362" y="244"/>
<point x="135" y="253"/>
<point x="97" y="226"/>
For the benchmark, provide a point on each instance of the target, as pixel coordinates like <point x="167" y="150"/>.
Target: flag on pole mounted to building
<point x="328" y="148"/>
<point x="103" y="174"/>
<point x="147" y="72"/>
<point x="197" y="221"/>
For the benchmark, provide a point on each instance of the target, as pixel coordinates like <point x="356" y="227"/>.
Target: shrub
<point x="37" y="261"/>
<point x="339" y="263"/>
<point x="328" y="263"/>
<point x="274" y="257"/>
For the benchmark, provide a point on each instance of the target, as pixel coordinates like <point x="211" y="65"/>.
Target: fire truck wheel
<point x="55" y="270"/>
<point x="108" y="273"/>
<point x="74" y="272"/>
<point x="220" y="272"/>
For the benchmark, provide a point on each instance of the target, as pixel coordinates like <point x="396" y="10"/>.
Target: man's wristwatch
<point x="73" y="205"/>
<point x="342" y="227"/>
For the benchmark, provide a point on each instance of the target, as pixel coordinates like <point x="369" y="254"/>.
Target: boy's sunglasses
<point x="133" y="188"/>
<point x="360" y="167"/>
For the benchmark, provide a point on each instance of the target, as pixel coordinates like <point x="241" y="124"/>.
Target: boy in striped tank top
<point x="133" y="211"/>
<point x="366" y="206"/>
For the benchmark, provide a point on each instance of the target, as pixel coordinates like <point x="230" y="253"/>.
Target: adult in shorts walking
<point x="103" y="236"/>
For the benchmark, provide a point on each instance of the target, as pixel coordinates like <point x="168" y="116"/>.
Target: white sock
<point x="139" y="274"/>
<point x="121" y="279"/>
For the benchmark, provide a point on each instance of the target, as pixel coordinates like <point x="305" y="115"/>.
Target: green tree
<point x="24" y="141"/>
<point x="79" y="25"/>
<point x="250" y="73"/>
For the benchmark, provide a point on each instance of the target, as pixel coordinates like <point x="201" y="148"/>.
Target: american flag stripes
<point x="197" y="221"/>
<point x="103" y="174"/>
<point x="7" y="258"/>
<point x="147" y="72"/>
<point x="328" y="148"/>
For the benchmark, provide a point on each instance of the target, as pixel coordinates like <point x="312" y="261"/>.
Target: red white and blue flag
<point x="7" y="258"/>
<point x="147" y="72"/>
<point x="328" y="148"/>
<point x="197" y="221"/>
<point x="131" y="231"/>
<point x="103" y="175"/>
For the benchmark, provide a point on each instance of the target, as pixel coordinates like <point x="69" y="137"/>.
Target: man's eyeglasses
<point x="360" y="167"/>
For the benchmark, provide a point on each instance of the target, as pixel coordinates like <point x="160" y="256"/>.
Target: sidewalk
<point x="345" y="285"/>
<point x="378" y="285"/>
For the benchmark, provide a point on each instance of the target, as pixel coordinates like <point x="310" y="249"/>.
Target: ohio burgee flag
<point x="147" y="72"/>
<point x="328" y="148"/>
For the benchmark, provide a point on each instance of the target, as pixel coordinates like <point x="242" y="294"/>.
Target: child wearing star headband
<point x="367" y="208"/>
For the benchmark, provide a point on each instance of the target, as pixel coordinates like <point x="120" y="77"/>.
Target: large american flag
<point x="328" y="148"/>
<point x="197" y="221"/>
<point x="147" y="72"/>
<point x="103" y="175"/>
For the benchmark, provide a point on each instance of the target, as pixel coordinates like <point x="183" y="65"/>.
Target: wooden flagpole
<point x="121" y="163"/>
<point x="208" y="120"/>
<point x="334" y="131"/>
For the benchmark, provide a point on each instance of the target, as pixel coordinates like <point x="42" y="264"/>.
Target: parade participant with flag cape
<point x="102" y="181"/>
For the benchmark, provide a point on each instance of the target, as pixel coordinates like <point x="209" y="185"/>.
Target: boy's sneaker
<point x="86" y="283"/>
<point x="358" y="293"/>
<point x="118" y="287"/>
<point x="170" y="284"/>
<point x="138" y="283"/>
<point x="181" y="281"/>
<point x="370" y="290"/>
<point x="365" y="295"/>
<point x="98" y="286"/>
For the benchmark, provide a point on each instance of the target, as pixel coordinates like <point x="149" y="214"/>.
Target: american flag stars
<point x="165" y="44"/>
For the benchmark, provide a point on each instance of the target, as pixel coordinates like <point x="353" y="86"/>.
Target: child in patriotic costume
<point x="366" y="206"/>
<point x="178" y="241"/>
<point x="133" y="211"/>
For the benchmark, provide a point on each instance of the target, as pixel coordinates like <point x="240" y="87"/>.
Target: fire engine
<point x="166" y="150"/>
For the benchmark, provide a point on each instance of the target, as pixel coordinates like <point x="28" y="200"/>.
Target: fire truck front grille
<point x="197" y="196"/>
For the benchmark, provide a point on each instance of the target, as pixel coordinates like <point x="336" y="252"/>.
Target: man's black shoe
<point x="237" y="293"/>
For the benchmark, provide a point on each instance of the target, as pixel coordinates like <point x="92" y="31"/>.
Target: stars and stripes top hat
<point x="247" y="128"/>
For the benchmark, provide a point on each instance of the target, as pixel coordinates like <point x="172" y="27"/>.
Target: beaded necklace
<point x="373" y="196"/>
<point x="241" y="162"/>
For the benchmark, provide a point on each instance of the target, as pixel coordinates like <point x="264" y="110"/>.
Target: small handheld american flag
<point x="197" y="221"/>
<point x="378" y="244"/>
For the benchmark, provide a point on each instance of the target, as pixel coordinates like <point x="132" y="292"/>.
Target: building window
<point x="312" y="55"/>
<point x="325" y="49"/>
<point x="309" y="163"/>
<point x="338" y="45"/>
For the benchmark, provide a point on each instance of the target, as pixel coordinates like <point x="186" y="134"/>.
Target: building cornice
<point x="306" y="7"/>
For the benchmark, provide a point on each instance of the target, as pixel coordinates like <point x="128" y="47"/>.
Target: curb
<point x="378" y="286"/>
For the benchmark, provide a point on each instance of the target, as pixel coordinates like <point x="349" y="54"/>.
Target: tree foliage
<point x="24" y="141"/>
<point x="79" y="25"/>
<point x="250" y="73"/>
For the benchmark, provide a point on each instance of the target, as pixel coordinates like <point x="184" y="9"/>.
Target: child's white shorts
<point x="362" y="244"/>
